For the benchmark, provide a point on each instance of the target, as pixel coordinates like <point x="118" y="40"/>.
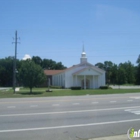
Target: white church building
<point x="84" y="74"/>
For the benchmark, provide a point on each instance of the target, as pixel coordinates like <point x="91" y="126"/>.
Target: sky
<point x="57" y="30"/>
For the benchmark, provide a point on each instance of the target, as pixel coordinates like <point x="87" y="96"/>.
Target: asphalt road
<point x="68" y="118"/>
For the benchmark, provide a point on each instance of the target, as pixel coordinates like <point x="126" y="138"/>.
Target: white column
<point x="93" y="81"/>
<point x="56" y="80"/>
<point x="84" y="82"/>
<point x="59" y="80"/>
<point x="76" y="79"/>
<point x="52" y="80"/>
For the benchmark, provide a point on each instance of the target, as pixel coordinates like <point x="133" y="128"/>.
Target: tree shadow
<point x="28" y="93"/>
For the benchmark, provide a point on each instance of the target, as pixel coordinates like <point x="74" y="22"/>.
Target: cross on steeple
<point x="83" y="47"/>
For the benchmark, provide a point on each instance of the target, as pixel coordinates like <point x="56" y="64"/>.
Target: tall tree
<point x="138" y="71"/>
<point x="108" y="67"/>
<point x="50" y="64"/>
<point x="100" y="65"/>
<point x="121" y="78"/>
<point x="6" y="71"/>
<point x="31" y="74"/>
<point x="37" y="60"/>
<point x="114" y="74"/>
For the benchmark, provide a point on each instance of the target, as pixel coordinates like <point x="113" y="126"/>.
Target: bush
<point x="75" y="88"/>
<point x="56" y="87"/>
<point x="104" y="87"/>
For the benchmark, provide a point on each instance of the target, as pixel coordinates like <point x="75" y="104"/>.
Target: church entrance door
<point x="87" y="83"/>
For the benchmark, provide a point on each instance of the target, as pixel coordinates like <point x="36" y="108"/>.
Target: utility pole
<point x="14" y="64"/>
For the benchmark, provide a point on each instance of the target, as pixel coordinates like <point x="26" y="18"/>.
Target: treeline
<point x="124" y="73"/>
<point x="6" y="68"/>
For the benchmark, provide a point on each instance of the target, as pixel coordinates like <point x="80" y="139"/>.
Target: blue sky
<point x="56" y="29"/>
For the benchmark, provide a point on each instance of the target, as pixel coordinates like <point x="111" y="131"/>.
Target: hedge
<point x="56" y="87"/>
<point x="104" y="87"/>
<point x="75" y="88"/>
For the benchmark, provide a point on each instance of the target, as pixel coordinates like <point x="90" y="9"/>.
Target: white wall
<point x="67" y="79"/>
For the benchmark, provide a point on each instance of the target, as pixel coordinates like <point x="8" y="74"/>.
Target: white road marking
<point x="135" y="97"/>
<point x="11" y="106"/>
<point x="55" y="104"/>
<point x="113" y="101"/>
<point x="95" y="102"/>
<point x="129" y="100"/>
<point x="66" y="112"/>
<point x="134" y="111"/>
<point x="68" y="126"/>
<point x="33" y="105"/>
<point x="75" y="103"/>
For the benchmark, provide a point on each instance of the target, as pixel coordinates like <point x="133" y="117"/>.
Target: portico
<point x="86" y="81"/>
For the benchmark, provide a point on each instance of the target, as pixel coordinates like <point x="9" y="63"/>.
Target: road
<point x="68" y="118"/>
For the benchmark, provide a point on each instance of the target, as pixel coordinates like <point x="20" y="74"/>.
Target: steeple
<point x="83" y="58"/>
<point x="83" y="48"/>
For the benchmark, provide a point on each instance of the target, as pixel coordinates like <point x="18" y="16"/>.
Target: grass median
<point x="41" y="92"/>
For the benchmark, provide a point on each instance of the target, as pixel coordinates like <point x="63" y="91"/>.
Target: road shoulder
<point x="118" y="137"/>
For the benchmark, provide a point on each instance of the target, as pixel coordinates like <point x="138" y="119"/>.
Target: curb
<point x="119" y="137"/>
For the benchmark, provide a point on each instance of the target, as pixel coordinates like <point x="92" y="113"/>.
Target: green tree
<point x="121" y="77"/>
<point x="50" y="64"/>
<point x="130" y="72"/>
<point x="138" y="71"/>
<point x="114" y="74"/>
<point x="100" y="65"/>
<point x="31" y="74"/>
<point x="108" y="67"/>
<point x="37" y="60"/>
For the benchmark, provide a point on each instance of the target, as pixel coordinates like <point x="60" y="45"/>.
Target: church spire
<point x="83" y="48"/>
<point x="83" y="58"/>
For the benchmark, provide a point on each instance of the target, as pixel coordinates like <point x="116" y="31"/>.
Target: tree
<point x="37" y="60"/>
<point x="108" y="67"/>
<point x="6" y="71"/>
<point x="113" y="77"/>
<point x="130" y="72"/>
<point x="121" y="78"/>
<point x="31" y="74"/>
<point x="48" y="63"/>
<point x="100" y="65"/>
<point x="138" y="71"/>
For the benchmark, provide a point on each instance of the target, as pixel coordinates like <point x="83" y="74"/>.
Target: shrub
<point x="104" y="87"/>
<point x="75" y="88"/>
<point x="56" y="87"/>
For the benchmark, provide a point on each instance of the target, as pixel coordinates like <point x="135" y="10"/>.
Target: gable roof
<point x="53" y="72"/>
<point x="90" y="68"/>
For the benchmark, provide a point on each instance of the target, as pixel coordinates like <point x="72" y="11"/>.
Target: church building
<point x="84" y="74"/>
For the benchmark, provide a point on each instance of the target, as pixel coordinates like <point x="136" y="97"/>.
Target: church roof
<point x="83" y="62"/>
<point x="52" y="72"/>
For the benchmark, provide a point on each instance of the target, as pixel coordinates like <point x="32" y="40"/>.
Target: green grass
<point x="41" y="92"/>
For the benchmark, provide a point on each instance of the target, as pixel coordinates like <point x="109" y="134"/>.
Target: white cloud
<point x="26" y="56"/>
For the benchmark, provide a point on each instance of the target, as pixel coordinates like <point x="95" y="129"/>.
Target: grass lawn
<point x="41" y="92"/>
